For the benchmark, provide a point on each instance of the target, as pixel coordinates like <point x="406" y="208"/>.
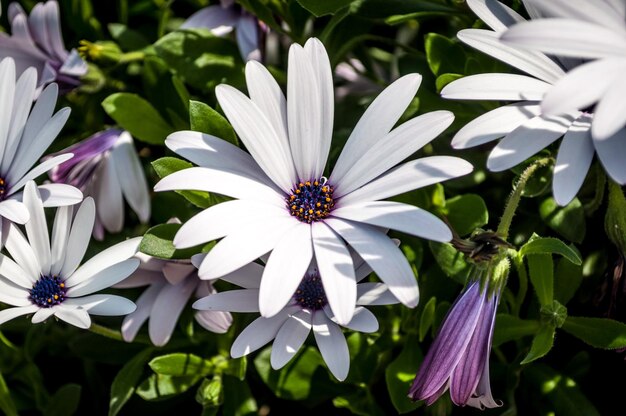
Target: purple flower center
<point x="310" y="293"/>
<point x="48" y="291"/>
<point x="311" y="200"/>
<point x="3" y="189"/>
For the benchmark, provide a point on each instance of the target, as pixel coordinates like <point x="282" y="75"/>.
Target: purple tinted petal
<point x="449" y="345"/>
<point x="215" y="18"/>
<point x="248" y="37"/>
<point x="467" y="373"/>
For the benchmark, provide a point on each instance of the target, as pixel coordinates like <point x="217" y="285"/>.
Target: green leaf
<point x="323" y="7"/>
<point x="377" y="9"/>
<point x="129" y="40"/>
<point x="360" y="403"/>
<point x="168" y="165"/>
<point x="568" y="221"/>
<point x="206" y="120"/>
<point x="542" y="344"/>
<point x="562" y="392"/>
<point x="201" y="59"/>
<point x="65" y="401"/>
<point x="294" y="381"/>
<point x="400" y="373"/>
<point x="444" y="55"/>
<point x="549" y="245"/>
<point x="6" y="402"/>
<point x="597" y="332"/>
<point x="180" y="364"/>
<point x="427" y="318"/>
<point x="137" y="115"/>
<point x="238" y="399"/>
<point x="541" y="269"/>
<point x="451" y="261"/>
<point x="509" y="328"/>
<point x="160" y="387"/>
<point x="467" y="213"/>
<point x="211" y="392"/>
<point x="567" y="279"/>
<point x="166" y="92"/>
<point x="157" y="242"/>
<point x="445" y="79"/>
<point x="126" y="380"/>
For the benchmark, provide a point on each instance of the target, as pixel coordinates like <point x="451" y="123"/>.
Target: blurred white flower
<point x="306" y="311"/>
<point x="106" y="167"/>
<point x="284" y="205"/>
<point x="36" y="41"/>
<point x="24" y="137"/>
<point x="526" y="128"/>
<point x="43" y="276"/>
<point x="171" y="284"/>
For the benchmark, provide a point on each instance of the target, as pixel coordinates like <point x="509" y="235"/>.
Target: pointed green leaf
<point x="167" y="165"/>
<point x="567" y="279"/>
<point x="569" y="221"/>
<point x="597" y="332"/>
<point x="509" y="328"/>
<point x="549" y="245"/>
<point x="126" y="381"/>
<point x="400" y="373"/>
<point x="157" y="242"/>
<point x="206" y="120"/>
<point x="180" y="364"/>
<point x="6" y="402"/>
<point x="542" y="344"/>
<point x="323" y="7"/>
<point x="65" y="401"/>
<point x="541" y="270"/>
<point x="427" y="318"/>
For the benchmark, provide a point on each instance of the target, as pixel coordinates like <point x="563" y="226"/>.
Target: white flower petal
<point x="133" y="322"/>
<point x="7" y="94"/>
<point x="258" y="135"/>
<point x="104" y="305"/>
<point x="22" y="252"/>
<point x="336" y="269"/>
<point x="104" y="278"/>
<point x="257" y="334"/>
<point x="167" y="307"/>
<point x="36" y="171"/>
<point x="573" y="161"/>
<point x="495" y="14"/>
<point x="11" y="313"/>
<point x="59" y="195"/>
<point x="37" y="227"/>
<point x="397" y="216"/>
<point x="379" y="118"/>
<point x="60" y="236"/>
<point x="216" y="181"/>
<point x="495" y="124"/>
<point x="103" y="260"/>
<point x="528" y="139"/>
<point x="110" y="205"/>
<point x="217" y="322"/>
<point x="211" y="152"/>
<point x="612" y="154"/>
<point x="370" y="293"/>
<point x="43" y="314"/>
<point x="392" y="149"/>
<point x="249" y="276"/>
<point x="285" y="269"/>
<point x="409" y="176"/>
<point x="176" y="272"/>
<point x="134" y="185"/>
<point x="244" y="246"/>
<point x="332" y="345"/>
<point x="569" y="38"/>
<point x="533" y="63"/>
<point x="244" y="300"/>
<point x="74" y="316"/>
<point x="599" y="12"/>
<point x="385" y="258"/>
<point x="496" y="87"/>
<point x="22" y="103"/>
<point x="12" y="292"/>
<point x="290" y="338"/>
<point x="14" y="211"/>
<point x="79" y="237"/>
<point x="222" y="219"/>
<point x="363" y="321"/>
<point x="610" y="113"/>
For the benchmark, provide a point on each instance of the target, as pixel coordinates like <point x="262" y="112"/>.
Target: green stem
<point x="106" y="332"/>
<point x="522" y="275"/>
<point x="132" y="57"/>
<point x="515" y="197"/>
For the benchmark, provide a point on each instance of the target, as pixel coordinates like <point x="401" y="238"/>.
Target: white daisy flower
<point x="526" y="128"/>
<point x="587" y="30"/>
<point x="106" y="167"/>
<point x="284" y="204"/>
<point x="307" y="310"/>
<point x="24" y="136"/>
<point x="42" y="277"/>
<point x="171" y="284"/>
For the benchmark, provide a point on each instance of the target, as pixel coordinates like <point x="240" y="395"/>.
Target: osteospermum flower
<point x="171" y="283"/>
<point x="285" y="205"/>
<point x="526" y="128"/>
<point x="458" y="359"/>
<point x="222" y="19"/>
<point x="307" y="311"/>
<point x="43" y="276"/>
<point x="36" y="41"/>
<point x="24" y="136"/>
<point x="106" y="167"/>
<point x="585" y="30"/>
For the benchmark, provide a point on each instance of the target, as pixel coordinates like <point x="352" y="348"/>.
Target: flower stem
<point x="132" y="57"/>
<point x="106" y="332"/>
<point x="515" y="197"/>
